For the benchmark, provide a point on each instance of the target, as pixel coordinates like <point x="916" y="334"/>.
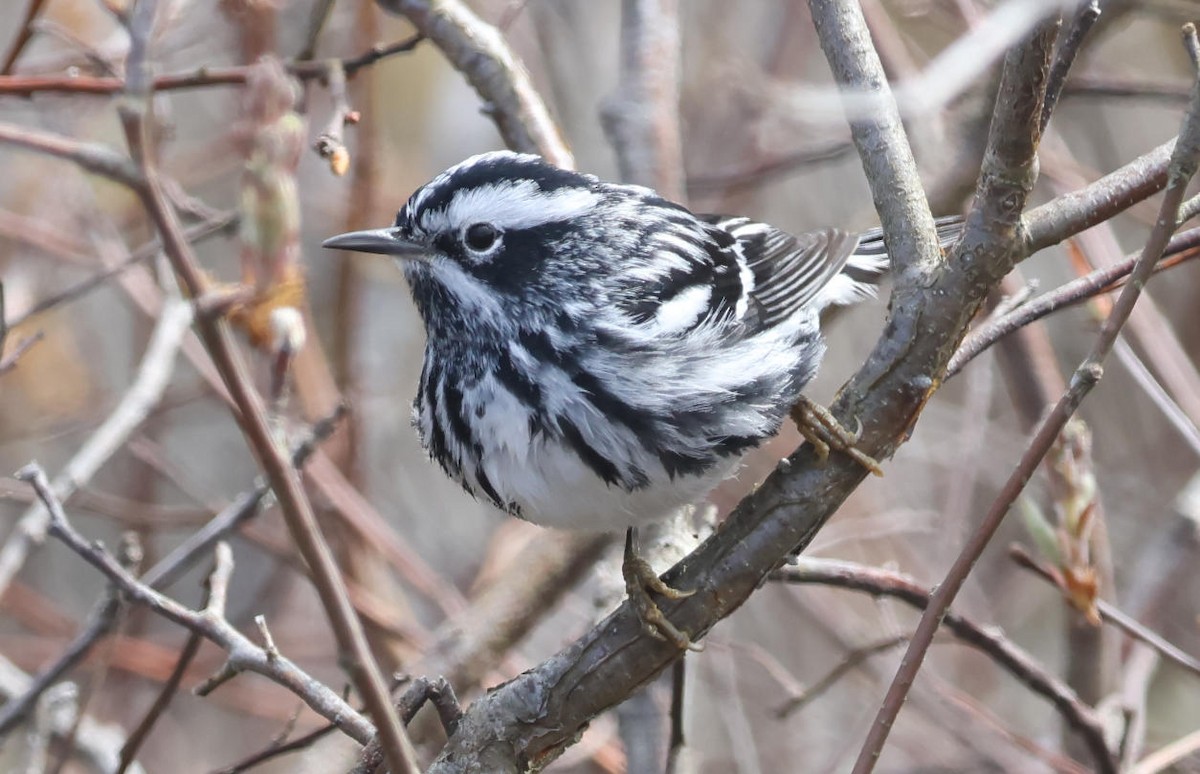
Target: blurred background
<point x="414" y="546"/>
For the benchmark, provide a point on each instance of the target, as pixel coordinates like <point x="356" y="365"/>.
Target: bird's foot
<point x="821" y="429"/>
<point x="640" y="580"/>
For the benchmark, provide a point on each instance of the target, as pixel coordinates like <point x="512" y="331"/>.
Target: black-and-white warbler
<point x="596" y="355"/>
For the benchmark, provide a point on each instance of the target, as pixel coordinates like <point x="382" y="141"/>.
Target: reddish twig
<point x="24" y="35"/>
<point x="203" y="77"/>
<point x="139" y="734"/>
<point x="355" y="653"/>
<point x="1184" y="246"/>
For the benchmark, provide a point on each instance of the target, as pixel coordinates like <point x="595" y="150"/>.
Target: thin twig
<point x="851" y="661"/>
<point x="99" y="621"/>
<point x="281" y="748"/>
<point x="243" y="654"/>
<point x="194" y="234"/>
<point x="1068" y="48"/>
<point x="1005" y="653"/>
<point x="204" y="77"/>
<point x="139" y="734"/>
<point x="1110" y="613"/>
<point x="92" y="157"/>
<point x="1184" y="246"/>
<point x="769" y="169"/>
<point x="24" y="35"/>
<point x="1087" y="85"/>
<point x="165" y="572"/>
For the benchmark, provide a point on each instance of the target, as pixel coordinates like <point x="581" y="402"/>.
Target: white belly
<point x="555" y="488"/>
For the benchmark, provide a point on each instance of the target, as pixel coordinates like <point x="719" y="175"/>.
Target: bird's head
<point x="491" y="236"/>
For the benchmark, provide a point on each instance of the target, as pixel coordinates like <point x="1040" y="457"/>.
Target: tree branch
<point x="478" y="50"/>
<point x="209" y="623"/>
<point x="875" y="581"/>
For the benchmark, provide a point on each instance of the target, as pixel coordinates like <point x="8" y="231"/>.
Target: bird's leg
<point x="640" y="580"/>
<point x="824" y="432"/>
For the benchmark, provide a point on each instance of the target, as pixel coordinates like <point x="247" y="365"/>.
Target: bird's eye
<point x="481" y="236"/>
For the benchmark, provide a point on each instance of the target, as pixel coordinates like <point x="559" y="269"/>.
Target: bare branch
<point x="1114" y="193"/>
<point x="886" y="156"/>
<point x="478" y="50"/>
<point x="92" y="157"/>
<point x="1111" y="614"/>
<point x="165" y="572"/>
<point x="204" y="77"/>
<point x="1005" y="653"/>
<point x="243" y="655"/>
<point x="1085" y="18"/>
<point x="24" y="35"/>
<point x="1184" y="246"/>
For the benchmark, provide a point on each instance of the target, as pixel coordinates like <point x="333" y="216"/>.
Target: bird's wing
<point x="787" y="272"/>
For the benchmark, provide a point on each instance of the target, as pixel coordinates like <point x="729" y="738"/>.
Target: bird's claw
<point x="640" y="581"/>
<point x="821" y="429"/>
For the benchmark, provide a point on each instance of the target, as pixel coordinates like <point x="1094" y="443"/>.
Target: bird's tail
<point x="868" y="264"/>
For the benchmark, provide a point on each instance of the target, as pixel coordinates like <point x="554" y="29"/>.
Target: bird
<point x="598" y="356"/>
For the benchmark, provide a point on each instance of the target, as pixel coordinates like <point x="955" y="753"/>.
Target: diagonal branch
<point x="355" y="654"/>
<point x="164" y="572"/>
<point x="849" y="575"/>
<point x="243" y="654"/>
<point x="478" y="50"/>
<point x="882" y="144"/>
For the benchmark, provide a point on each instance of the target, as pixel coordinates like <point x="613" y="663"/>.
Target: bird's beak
<point x="384" y="241"/>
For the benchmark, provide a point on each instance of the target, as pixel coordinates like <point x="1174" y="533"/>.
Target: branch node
<point x="269" y="648"/>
